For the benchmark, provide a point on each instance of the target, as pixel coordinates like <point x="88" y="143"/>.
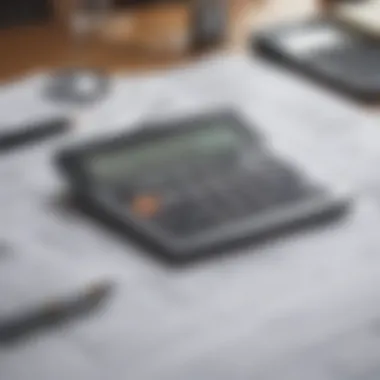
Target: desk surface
<point x="31" y="49"/>
<point x="294" y="309"/>
<point x="299" y="309"/>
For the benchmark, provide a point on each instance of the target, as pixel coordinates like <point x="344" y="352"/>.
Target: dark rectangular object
<point x="16" y="136"/>
<point x="327" y="51"/>
<point x="195" y="186"/>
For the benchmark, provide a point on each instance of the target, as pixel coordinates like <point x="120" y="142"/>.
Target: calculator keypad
<point x="193" y="200"/>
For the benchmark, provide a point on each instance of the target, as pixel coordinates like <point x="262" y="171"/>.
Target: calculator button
<point x="221" y="204"/>
<point x="268" y="187"/>
<point x="125" y="194"/>
<point x="146" y="206"/>
<point x="185" y="218"/>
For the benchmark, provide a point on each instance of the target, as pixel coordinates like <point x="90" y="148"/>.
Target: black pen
<point x="55" y="312"/>
<point x="15" y="136"/>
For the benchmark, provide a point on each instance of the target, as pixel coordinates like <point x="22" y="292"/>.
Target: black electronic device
<point x="328" y="51"/>
<point x="195" y="186"/>
<point x="14" y="136"/>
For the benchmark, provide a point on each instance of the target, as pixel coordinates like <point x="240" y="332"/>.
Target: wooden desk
<point x="29" y="49"/>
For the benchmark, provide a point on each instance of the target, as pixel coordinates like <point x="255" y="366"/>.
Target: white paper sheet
<point x="293" y="309"/>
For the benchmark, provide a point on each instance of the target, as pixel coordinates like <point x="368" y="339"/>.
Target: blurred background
<point x="298" y="308"/>
<point x="39" y="32"/>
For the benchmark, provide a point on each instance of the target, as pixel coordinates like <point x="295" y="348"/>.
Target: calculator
<point x="197" y="186"/>
<point x="328" y="51"/>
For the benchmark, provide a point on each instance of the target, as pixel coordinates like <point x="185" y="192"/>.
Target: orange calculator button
<point x="146" y="206"/>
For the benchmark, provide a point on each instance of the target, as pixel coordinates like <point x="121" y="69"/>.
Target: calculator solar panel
<point x="195" y="186"/>
<point x="328" y="51"/>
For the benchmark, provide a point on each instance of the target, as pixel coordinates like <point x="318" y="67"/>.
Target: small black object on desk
<point x="14" y="136"/>
<point x="54" y="313"/>
<point x="328" y="52"/>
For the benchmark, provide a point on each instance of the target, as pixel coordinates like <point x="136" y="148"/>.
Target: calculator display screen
<point x="131" y="160"/>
